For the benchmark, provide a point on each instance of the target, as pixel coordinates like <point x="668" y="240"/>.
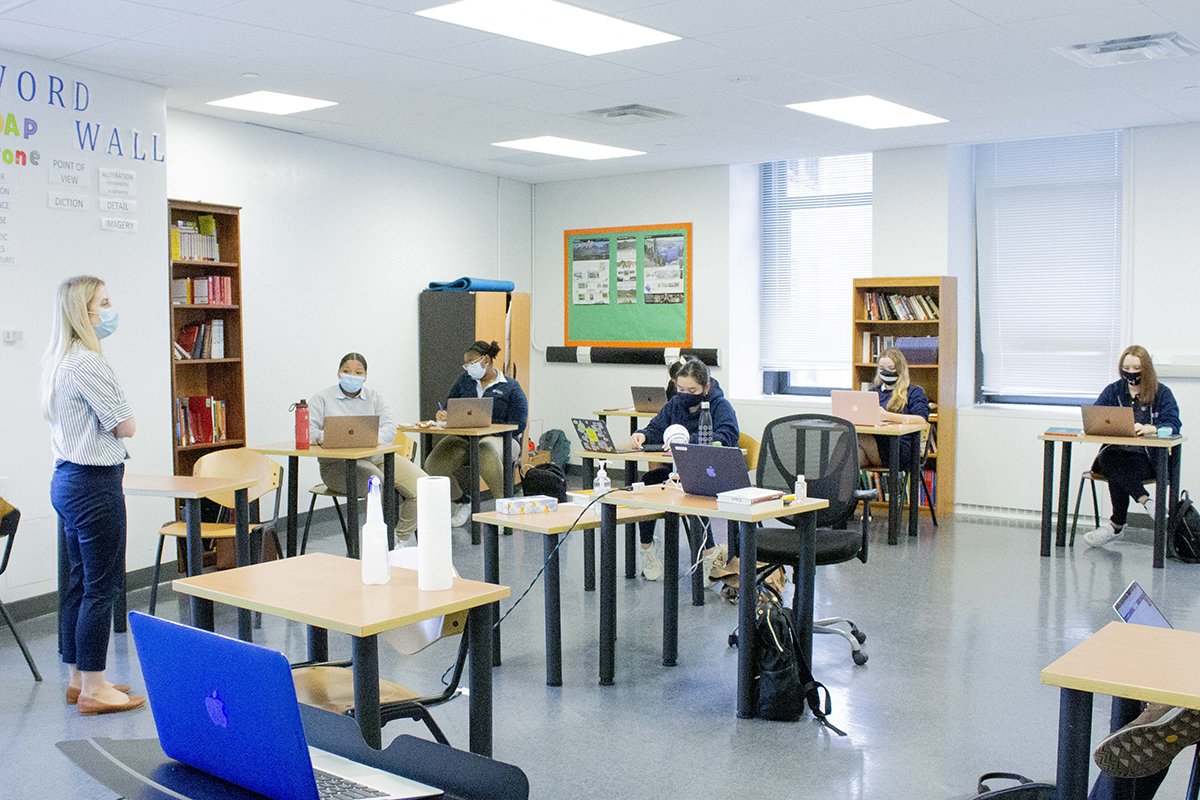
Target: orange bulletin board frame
<point x="622" y="322"/>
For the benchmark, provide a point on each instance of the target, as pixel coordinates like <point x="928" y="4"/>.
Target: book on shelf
<point x="215" y="290"/>
<point x="191" y="242"/>
<point x="879" y="482"/>
<point x="874" y="345"/>
<point x="201" y="340"/>
<point x="200" y="420"/>
<point x="881" y="306"/>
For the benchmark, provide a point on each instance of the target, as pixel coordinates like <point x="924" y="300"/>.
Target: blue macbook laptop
<point x="708" y="470"/>
<point x="229" y="708"/>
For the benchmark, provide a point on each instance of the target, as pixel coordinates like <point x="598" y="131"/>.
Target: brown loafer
<point x="89" y="707"/>
<point x="73" y="693"/>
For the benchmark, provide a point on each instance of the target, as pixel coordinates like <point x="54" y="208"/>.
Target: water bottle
<point x="706" y="426"/>
<point x="302" y="434"/>
<point x="373" y="549"/>
<point x="801" y="489"/>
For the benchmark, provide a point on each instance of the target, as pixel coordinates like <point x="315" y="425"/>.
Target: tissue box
<point x="536" y="504"/>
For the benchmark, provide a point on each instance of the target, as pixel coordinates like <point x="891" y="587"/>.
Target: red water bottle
<point x="301" y="425"/>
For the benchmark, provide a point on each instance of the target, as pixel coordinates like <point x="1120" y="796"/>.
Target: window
<point x="816" y="238"/>
<point x="1049" y="216"/>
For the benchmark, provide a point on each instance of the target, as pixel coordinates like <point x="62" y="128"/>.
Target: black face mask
<point x="1132" y="378"/>
<point x="888" y="377"/>
<point x="688" y="401"/>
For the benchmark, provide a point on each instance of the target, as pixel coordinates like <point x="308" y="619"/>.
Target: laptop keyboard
<point x="331" y="787"/>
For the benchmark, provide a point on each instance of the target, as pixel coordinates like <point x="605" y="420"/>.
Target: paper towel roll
<point x="435" y="569"/>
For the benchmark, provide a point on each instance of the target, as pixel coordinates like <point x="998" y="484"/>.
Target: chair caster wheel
<point x="733" y="640"/>
<point x="859" y="635"/>
<point x="860" y="657"/>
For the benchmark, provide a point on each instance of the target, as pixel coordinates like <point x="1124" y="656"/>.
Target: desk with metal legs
<point x="914" y="475"/>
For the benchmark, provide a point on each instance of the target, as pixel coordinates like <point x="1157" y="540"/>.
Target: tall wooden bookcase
<point x="938" y="380"/>
<point x="221" y="378"/>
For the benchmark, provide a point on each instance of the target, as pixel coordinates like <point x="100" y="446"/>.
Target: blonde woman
<point x="902" y="401"/>
<point x="89" y="419"/>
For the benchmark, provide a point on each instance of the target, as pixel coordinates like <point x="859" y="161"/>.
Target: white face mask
<point x="475" y="369"/>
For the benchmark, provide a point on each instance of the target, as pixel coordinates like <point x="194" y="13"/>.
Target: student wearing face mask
<point x="481" y="378"/>
<point x="1128" y="468"/>
<point x="902" y="402"/>
<point x="90" y="419"/>
<point x="694" y="385"/>
<point x="349" y="397"/>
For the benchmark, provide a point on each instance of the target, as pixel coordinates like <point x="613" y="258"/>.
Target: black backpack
<point x="545" y="479"/>
<point x="1185" y="530"/>
<point x="1024" y="790"/>
<point x="784" y="682"/>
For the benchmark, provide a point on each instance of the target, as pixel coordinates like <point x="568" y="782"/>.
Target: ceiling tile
<point x="763" y="80"/>
<point x="493" y="88"/>
<point x="1094" y="26"/>
<point x="844" y="61"/>
<point x="1018" y="10"/>
<point x="579" y="73"/>
<point x="407" y="34"/>
<point x="44" y="42"/>
<point x="228" y="73"/>
<point x="366" y="64"/>
<point x="882" y="83"/>
<point x="190" y="6"/>
<point x="1034" y="63"/>
<point x="567" y="101"/>
<point x="114" y="18"/>
<point x="692" y="18"/>
<point x="128" y="74"/>
<point x="220" y="36"/>
<point x="939" y="48"/>
<point x="901" y="20"/>
<point x="143" y="57"/>
<point x="648" y="90"/>
<point x="501" y="54"/>
<point x="672" y="57"/>
<point x="783" y="37"/>
<point x="302" y="16"/>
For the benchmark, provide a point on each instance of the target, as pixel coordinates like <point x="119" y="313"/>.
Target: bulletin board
<point x="628" y="287"/>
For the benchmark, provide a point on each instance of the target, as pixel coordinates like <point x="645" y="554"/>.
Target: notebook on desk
<point x="229" y="708"/>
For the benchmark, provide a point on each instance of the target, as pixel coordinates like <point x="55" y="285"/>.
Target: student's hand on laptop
<point x="1145" y="430"/>
<point x="636" y="440"/>
<point x="441" y="416"/>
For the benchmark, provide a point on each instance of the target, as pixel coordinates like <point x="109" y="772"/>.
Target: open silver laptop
<point x="468" y="412"/>
<point x="343" y="433"/>
<point x="648" y="399"/>
<point x="1108" y="421"/>
<point x="1135" y="606"/>
<point x="860" y="408"/>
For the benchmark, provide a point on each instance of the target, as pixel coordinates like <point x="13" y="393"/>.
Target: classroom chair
<point x="826" y="449"/>
<point x="922" y="477"/>
<point x="9" y="519"/>
<point x="321" y="490"/>
<point x="1092" y="477"/>
<point x="237" y="462"/>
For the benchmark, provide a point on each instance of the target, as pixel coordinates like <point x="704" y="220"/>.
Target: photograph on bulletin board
<point x="650" y="268"/>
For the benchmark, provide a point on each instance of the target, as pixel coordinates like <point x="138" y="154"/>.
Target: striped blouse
<point x="88" y="405"/>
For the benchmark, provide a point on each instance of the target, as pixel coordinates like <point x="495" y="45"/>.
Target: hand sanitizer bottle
<point x="373" y="544"/>
<point x="601" y="484"/>
<point x="801" y="489"/>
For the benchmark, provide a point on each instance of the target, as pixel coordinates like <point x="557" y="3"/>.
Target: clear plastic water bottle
<point x="706" y="425"/>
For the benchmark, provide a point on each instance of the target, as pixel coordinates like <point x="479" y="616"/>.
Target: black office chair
<point x="825" y="450"/>
<point x="9" y="519"/>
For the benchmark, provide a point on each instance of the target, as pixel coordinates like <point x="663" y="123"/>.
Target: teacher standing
<point x="89" y="417"/>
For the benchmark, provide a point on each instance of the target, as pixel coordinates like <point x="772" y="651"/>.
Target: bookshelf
<point x="938" y="380"/>
<point x="218" y="377"/>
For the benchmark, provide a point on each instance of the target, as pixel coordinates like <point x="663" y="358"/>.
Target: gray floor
<point x="960" y="622"/>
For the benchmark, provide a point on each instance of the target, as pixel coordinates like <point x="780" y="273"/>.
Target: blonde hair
<point x="1148" y="388"/>
<point x="71" y="325"/>
<point x="899" y="397"/>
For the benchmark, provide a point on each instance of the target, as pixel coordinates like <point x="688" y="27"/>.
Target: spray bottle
<point x="373" y="549"/>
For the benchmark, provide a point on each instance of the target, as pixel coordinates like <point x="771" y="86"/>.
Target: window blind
<point x="1049" y="218"/>
<point x="816" y="238"/>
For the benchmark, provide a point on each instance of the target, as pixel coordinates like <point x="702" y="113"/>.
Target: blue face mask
<point x="108" y="322"/>
<point x="351" y="383"/>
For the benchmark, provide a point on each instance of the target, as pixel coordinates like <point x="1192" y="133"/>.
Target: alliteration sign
<point x="118" y="182"/>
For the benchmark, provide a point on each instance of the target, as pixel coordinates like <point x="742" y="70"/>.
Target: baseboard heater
<point x="629" y="355"/>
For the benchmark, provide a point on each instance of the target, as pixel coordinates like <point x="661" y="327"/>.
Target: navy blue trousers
<point x="91" y="507"/>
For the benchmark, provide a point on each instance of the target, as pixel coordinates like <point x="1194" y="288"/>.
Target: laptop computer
<point x="351" y="432"/>
<point x="708" y="470"/>
<point x="1108" y="421"/>
<point x="595" y="438"/>
<point x="1135" y="606"/>
<point x="648" y="399"/>
<point x="859" y="408"/>
<point x="229" y="708"/>
<point x="468" y="412"/>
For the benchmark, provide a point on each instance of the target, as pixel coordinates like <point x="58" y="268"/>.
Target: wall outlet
<point x="12" y="337"/>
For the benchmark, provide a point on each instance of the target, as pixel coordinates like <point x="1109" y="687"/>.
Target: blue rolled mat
<point x="472" y="285"/>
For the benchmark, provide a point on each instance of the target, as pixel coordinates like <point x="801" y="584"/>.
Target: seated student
<point x="694" y="386"/>
<point x="481" y="378"/>
<point x="902" y="402"/>
<point x="350" y="398"/>
<point x="1128" y="468"/>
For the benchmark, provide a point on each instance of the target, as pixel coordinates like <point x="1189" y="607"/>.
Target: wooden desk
<point x="192" y="490"/>
<point x="1166" y="472"/>
<point x="326" y="592"/>
<point x="914" y="475"/>
<point x="631" y="467"/>
<point x="550" y="525"/>
<point x="674" y="502"/>
<point x="348" y="456"/>
<point x="1131" y="663"/>
<point x="472" y="435"/>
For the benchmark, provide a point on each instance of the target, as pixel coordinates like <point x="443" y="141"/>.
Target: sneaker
<point x="1101" y="536"/>
<point x="1149" y="506"/>
<point x="652" y="567"/>
<point x="403" y="536"/>
<point x="460" y="514"/>
<point x="1149" y="743"/>
<point x="714" y="557"/>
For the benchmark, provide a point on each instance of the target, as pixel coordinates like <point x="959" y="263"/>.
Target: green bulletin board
<point x="628" y="287"/>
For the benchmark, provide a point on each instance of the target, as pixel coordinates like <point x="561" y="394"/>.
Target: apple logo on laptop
<point x="350" y="432"/>
<point x="712" y="473"/>
<point x="216" y="710"/>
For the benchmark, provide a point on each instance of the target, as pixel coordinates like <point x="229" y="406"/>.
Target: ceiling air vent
<point x="1130" y="51"/>
<point x="631" y="114"/>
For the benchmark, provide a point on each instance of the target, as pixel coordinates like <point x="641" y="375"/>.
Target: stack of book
<point x="906" y="307"/>
<point x="749" y="499"/>
<point x="201" y="340"/>
<point x="874" y="345"/>
<point x="195" y="241"/>
<point x="211" y="290"/>
<point x="199" y="420"/>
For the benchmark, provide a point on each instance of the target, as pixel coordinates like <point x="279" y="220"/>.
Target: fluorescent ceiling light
<point x="557" y="146"/>
<point x="550" y="23"/>
<point x="866" y="111"/>
<point x="272" y="103"/>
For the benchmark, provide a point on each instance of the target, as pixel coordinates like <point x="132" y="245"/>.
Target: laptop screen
<point x="1135" y="606"/>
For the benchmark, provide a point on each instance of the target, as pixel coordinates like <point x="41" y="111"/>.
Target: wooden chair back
<point x="10" y="517"/>
<point x="410" y="445"/>
<point x="750" y="445"/>
<point x="237" y="463"/>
